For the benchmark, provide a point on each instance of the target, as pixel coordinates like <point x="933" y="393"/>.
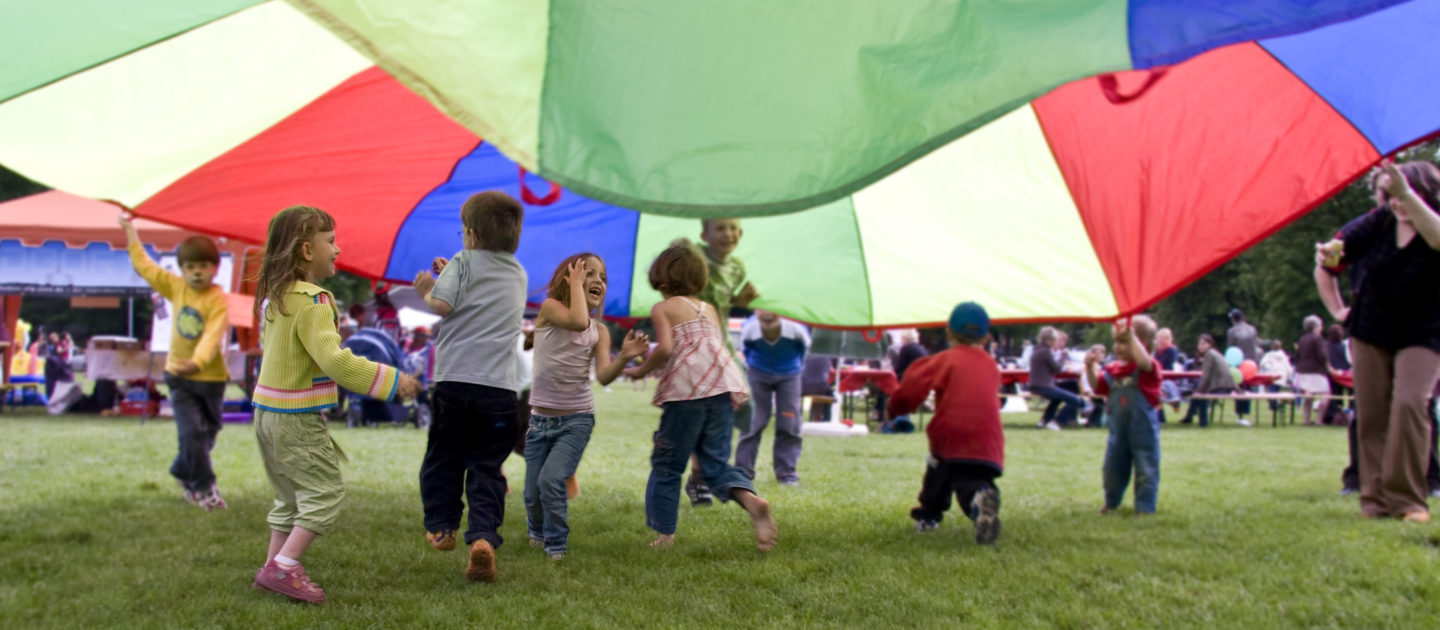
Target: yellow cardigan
<point x="200" y="323"/>
<point x="303" y="360"/>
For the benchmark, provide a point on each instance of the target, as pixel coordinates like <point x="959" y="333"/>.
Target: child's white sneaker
<point x="1242" y="422"/>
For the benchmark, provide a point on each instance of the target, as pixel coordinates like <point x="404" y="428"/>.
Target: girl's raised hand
<point x="577" y="274"/>
<point x="635" y="344"/>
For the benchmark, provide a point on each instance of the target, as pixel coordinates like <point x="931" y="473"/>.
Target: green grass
<point x="1250" y="533"/>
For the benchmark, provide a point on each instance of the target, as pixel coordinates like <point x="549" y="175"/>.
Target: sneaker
<point x="698" y="492"/>
<point x="211" y="500"/>
<point x="557" y="556"/>
<point x="790" y="483"/>
<point x="482" y="562"/>
<point x="443" y="540"/>
<point x="1345" y="492"/>
<point x="536" y="542"/>
<point x="292" y="583"/>
<point x="1435" y="493"/>
<point x="926" y="525"/>
<point x="1040" y="424"/>
<point x="985" y="508"/>
<point x="1242" y="422"/>
<point x="1052" y="425"/>
<point x="191" y="496"/>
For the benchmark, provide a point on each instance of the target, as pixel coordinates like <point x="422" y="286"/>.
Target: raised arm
<point x="168" y="284"/>
<point x="574" y="317"/>
<point x="1422" y="216"/>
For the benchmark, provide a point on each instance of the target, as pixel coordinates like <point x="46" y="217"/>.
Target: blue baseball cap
<point x="969" y="319"/>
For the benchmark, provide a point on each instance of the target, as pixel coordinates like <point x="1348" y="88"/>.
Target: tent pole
<point x="130" y="321"/>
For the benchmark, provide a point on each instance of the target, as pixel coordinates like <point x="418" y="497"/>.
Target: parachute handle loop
<point x="1110" y="86"/>
<point x="529" y="196"/>
<point x="871" y="335"/>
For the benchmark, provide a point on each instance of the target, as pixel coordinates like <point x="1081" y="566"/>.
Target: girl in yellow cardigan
<point x="303" y="362"/>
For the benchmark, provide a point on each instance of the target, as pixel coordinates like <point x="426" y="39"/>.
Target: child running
<point x="698" y="391"/>
<point x="481" y="296"/>
<point x="1132" y="383"/>
<point x="967" y="444"/>
<point x="562" y="407"/>
<point x="195" y="369"/>
<point x="303" y="363"/>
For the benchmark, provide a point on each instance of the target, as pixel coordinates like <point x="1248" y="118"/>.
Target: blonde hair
<point x="283" y="264"/>
<point x="1145" y="329"/>
<point x="1046" y="336"/>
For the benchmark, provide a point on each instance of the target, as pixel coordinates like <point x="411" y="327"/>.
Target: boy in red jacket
<point x="967" y="445"/>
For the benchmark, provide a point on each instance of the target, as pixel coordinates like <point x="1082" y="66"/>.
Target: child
<point x="1132" y="383"/>
<point x="698" y="390"/>
<point x="775" y="355"/>
<point x="726" y="288"/>
<point x="195" y="369"/>
<point x="967" y="445"/>
<point x="562" y="408"/>
<point x="1087" y="389"/>
<point x="303" y="362"/>
<point x="481" y="296"/>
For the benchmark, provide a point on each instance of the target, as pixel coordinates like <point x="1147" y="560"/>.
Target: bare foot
<point x="663" y="542"/>
<point x="766" y="533"/>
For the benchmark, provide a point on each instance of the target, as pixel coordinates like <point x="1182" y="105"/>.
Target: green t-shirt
<point x="726" y="280"/>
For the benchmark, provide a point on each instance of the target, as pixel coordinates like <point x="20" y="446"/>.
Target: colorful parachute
<point x="1096" y="199"/>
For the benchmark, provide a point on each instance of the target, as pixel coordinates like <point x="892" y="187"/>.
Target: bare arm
<point x="606" y="370"/>
<point x="1329" y="289"/>
<point x="1422" y="216"/>
<point x="573" y="317"/>
<point x="424" y="283"/>
<point x="664" y="344"/>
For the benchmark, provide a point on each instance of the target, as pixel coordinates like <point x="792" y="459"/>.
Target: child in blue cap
<point x="967" y="444"/>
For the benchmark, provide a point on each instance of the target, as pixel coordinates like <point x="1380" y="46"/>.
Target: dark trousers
<point x="1064" y="399"/>
<point x="197" y="423"/>
<point x="473" y="431"/>
<point x="1350" y="477"/>
<point x="943" y="479"/>
<point x="1335" y="409"/>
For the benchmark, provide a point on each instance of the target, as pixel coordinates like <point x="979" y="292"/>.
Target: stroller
<point x="360" y="410"/>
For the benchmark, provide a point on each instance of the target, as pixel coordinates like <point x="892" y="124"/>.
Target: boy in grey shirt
<point x="481" y="295"/>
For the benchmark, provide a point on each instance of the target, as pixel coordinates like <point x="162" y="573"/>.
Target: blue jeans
<point x="1069" y="403"/>
<point x="1134" y="442"/>
<point x="553" y="447"/>
<point x="702" y="427"/>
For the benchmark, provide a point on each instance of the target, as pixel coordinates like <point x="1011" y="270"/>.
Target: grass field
<point x="1250" y="533"/>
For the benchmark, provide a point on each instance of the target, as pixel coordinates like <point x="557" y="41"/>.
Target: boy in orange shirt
<point x="967" y="444"/>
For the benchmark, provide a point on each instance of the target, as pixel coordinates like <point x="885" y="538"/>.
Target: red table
<point x="856" y="379"/>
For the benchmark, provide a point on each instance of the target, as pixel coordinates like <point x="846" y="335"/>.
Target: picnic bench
<point x="1282" y="398"/>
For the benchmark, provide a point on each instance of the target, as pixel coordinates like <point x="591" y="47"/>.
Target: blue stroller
<point x="378" y="346"/>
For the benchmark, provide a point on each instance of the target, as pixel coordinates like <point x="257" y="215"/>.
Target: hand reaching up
<point x="635" y="345"/>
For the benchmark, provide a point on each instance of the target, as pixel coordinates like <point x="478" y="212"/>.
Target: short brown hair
<point x="679" y="270"/>
<point x="495" y="218"/>
<point x="199" y="249"/>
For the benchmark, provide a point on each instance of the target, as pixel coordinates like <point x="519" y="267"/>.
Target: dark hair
<point x="968" y="340"/>
<point x="495" y="218"/>
<point x="199" y="249"/>
<point x="289" y="230"/>
<point x="679" y="270"/>
<point x="1206" y="338"/>
<point x="560" y="282"/>
<point x="1335" y="333"/>
<point x="357" y="311"/>
<point x="1424" y="179"/>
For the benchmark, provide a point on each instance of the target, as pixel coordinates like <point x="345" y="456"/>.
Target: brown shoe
<point x="482" y="562"/>
<point x="443" y="540"/>
<point x="1417" y="516"/>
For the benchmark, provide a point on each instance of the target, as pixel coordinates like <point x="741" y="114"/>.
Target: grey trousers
<point x="1392" y="392"/>
<point x="780" y="394"/>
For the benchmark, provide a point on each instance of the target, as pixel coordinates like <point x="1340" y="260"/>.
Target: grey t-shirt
<point x="477" y="341"/>
<point x="1246" y="338"/>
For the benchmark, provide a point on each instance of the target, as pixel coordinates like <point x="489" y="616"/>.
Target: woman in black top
<point x="1394" y="322"/>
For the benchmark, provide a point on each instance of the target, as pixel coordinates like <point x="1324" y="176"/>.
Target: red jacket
<point x="966" y="382"/>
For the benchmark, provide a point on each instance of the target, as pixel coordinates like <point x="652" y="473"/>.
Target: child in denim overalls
<point x="1132" y="383"/>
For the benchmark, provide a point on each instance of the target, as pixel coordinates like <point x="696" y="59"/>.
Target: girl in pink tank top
<point x="567" y="341"/>
<point x="700" y="386"/>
